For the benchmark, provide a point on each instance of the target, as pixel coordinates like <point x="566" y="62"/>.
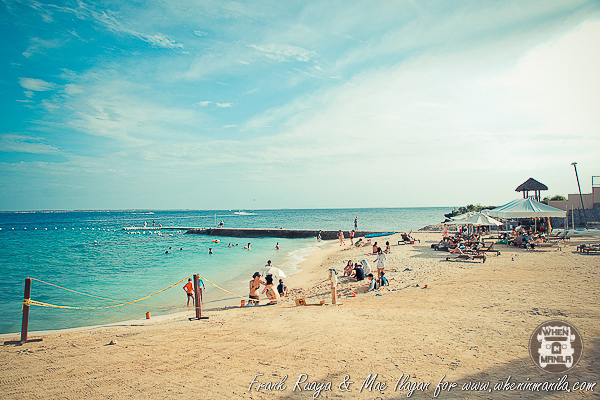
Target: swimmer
<point x="210" y="250"/>
<point x="277" y="246"/>
<point x="247" y="247"/>
<point x="229" y="245"/>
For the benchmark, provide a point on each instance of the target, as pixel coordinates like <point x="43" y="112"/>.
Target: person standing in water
<point x="356" y="223"/>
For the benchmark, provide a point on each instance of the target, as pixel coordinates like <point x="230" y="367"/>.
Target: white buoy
<point x="45" y="229"/>
<point x="35" y="228"/>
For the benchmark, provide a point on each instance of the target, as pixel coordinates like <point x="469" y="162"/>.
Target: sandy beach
<point x="471" y="324"/>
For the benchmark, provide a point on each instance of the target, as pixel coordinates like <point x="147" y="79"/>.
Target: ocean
<point x="89" y="252"/>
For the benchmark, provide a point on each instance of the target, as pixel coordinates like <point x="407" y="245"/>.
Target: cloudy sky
<point x="309" y="104"/>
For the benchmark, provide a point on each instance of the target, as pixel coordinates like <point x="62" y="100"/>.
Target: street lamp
<point x="580" y="195"/>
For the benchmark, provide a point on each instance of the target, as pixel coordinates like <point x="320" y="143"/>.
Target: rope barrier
<point x="29" y="302"/>
<point x="225" y="290"/>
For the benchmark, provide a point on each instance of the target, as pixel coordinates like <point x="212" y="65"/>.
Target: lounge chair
<point x="488" y="249"/>
<point x="584" y="248"/>
<point x="544" y="245"/>
<point x="467" y="257"/>
<point x="560" y="236"/>
<point x="407" y="238"/>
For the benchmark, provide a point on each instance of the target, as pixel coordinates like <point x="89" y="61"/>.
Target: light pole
<point x="580" y="195"/>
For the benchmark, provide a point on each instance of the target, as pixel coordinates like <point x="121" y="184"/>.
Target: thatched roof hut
<point x="531" y="185"/>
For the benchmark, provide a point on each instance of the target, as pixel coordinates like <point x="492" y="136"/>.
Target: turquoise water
<point x="89" y="252"/>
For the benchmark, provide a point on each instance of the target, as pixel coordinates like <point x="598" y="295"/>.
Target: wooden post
<point x="198" y="299"/>
<point x="25" y="321"/>
<point x="333" y="279"/>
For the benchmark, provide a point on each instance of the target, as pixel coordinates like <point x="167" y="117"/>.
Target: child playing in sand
<point x="282" y="289"/>
<point x="270" y="290"/>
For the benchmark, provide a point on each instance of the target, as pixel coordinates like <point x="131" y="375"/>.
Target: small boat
<point x="379" y="234"/>
<point x="244" y="213"/>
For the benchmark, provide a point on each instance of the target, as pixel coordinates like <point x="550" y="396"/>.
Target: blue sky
<point x="310" y="104"/>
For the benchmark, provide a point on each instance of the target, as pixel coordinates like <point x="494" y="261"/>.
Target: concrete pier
<point x="275" y="233"/>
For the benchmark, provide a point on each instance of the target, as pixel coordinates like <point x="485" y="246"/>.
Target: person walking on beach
<point x="189" y="289"/>
<point x="381" y="258"/>
<point x="352" y="237"/>
<point x="341" y="237"/>
<point x="254" y="286"/>
<point x="319" y="236"/>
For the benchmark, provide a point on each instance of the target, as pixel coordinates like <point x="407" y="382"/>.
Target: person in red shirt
<point x="189" y="289"/>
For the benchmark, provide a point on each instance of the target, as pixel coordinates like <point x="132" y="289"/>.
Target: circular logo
<point x="555" y="346"/>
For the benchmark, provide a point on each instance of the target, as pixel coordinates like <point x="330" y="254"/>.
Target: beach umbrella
<point x="276" y="272"/>
<point x="526" y="208"/>
<point x="477" y="219"/>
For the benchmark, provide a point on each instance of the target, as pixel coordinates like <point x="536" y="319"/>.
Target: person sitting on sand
<point x="359" y="273"/>
<point x="270" y="290"/>
<point x="348" y="268"/>
<point x="372" y="283"/>
<point x="189" y="289"/>
<point x="383" y="281"/>
<point x="359" y="243"/>
<point x="388" y="249"/>
<point x="254" y="286"/>
<point x="282" y="289"/>
<point x="374" y="248"/>
<point x="366" y="267"/>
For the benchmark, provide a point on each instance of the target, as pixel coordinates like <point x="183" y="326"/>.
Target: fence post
<point x="198" y="298"/>
<point x="25" y="321"/>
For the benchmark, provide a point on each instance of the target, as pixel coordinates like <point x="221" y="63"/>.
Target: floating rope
<point x="29" y="302"/>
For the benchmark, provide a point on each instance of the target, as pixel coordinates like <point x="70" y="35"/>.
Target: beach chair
<point x="584" y="248"/>
<point x="407" y="238"/>
<point x="468" y="257"/>
<point x="488" y="249"/>
<point x="545" y="245"/>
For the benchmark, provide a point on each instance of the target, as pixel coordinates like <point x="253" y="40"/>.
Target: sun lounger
<point x="407" y="238"/>
<point x="560" y="236"/>
<point x="468" y="257"/>
<point x="488" y="249"/>
<point x="584" y="248"/>
<point x="545" y="245"/>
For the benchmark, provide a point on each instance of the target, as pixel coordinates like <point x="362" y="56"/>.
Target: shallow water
<point x="90" y="253"/>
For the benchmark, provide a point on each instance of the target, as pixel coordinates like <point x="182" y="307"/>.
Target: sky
<point x="296" y="104"/>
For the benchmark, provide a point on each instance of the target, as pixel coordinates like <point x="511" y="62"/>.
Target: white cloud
<point x="224" y="105"/>
<point x="26" y="144"/>
<point x="285" y="52"/>
<point x="37" y="45"/>
<point x="36" y="85"/>
<point x="229" y="126"/>
<point x="203" y="103"/>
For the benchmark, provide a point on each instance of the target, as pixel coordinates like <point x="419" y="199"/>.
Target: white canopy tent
<point x="477" y="219"/>
<point x="526" y="208"/>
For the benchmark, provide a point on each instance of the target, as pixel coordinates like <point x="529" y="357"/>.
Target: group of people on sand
<point x="359" y="270"/>
<point x="273" y="293"/>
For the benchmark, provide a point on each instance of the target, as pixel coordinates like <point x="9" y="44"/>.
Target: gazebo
<point x="531" y="185"/>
